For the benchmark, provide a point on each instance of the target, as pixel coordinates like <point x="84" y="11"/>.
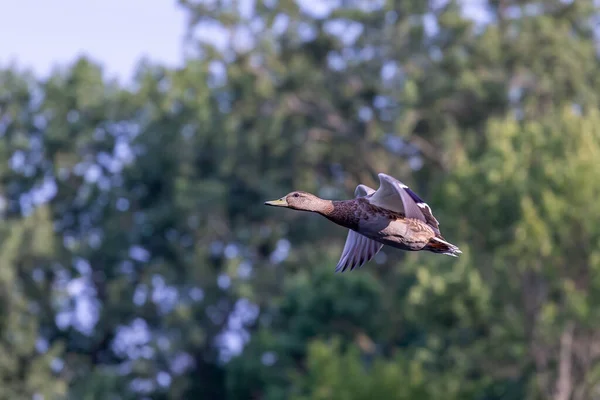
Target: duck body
<point x="387" y="227"/>
<point x="393" y="215"/>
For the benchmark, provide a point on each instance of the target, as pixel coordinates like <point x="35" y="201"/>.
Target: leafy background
<point x="138" y="262"/>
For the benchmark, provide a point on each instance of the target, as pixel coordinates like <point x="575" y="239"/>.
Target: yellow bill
<point x="277" y="203"/>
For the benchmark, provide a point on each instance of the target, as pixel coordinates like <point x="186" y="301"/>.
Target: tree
<point x="333" y="374"/>
<point x="543" y="229"/>
<point x="29" y="365"/>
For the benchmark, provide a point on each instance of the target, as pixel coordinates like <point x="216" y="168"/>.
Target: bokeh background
<point x="140" y="139"/>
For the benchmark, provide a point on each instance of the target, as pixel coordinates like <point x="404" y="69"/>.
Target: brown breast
<point x="349" y="213"/>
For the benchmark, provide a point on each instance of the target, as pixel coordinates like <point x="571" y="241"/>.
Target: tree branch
<point x="564" y="384"/>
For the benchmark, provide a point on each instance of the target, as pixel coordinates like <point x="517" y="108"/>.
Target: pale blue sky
<point x="41" y="34"/>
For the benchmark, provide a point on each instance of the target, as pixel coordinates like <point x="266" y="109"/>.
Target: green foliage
<point x="543" y="224"/>
<point x="333" y="374"/>
<point x="28" y="364"/>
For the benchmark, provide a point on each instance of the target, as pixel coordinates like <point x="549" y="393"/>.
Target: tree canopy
<point x="138" y="260"/>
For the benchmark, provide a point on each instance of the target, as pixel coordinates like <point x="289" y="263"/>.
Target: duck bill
<point x="277" y="203"/>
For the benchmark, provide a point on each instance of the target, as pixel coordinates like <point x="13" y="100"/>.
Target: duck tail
<point x="439" y="245"/>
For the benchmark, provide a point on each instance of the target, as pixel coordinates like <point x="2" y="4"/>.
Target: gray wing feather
<point x="363" y="190"/>
<point x="393" y="195"/>
<point x="357" y="251"/>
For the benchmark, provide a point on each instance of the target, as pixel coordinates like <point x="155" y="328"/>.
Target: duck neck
<point x="323" y="207"/>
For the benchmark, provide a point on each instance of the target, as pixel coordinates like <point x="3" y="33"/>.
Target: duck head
<point x="299" y="200"/>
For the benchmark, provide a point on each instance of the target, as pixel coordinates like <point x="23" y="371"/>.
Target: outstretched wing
<point x="425" y="209"/>
<point x="358" y="248"/>
<point x="396" y="196"/>
<point x="357" y="251"/>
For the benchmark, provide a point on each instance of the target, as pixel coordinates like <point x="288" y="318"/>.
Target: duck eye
<point x="296" y="195"/>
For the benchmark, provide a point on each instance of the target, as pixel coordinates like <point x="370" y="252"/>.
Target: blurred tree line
<point x="137" y="259"/>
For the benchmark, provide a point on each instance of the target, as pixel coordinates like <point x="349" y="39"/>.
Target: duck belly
<point x="400" y="235"/>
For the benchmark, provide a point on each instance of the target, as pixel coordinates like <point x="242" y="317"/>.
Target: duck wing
<point x="396" y="196"/>
<point x="363" y="190"/>
<point x="358" y="248"/>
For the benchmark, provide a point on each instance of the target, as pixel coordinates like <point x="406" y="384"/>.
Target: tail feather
<point x="439" y="245"/>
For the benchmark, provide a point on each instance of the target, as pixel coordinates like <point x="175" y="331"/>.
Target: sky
<point x="117" y="33"/>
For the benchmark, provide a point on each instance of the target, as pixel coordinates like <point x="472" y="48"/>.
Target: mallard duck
<point x="392" y="215"/>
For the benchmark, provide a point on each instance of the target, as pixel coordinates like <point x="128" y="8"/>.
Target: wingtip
<point x="390" y="179"/>
<point x="383" y="176"/>
<point x="340" y="268"/>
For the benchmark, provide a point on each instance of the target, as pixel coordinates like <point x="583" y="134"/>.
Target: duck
<point x="393" y="215"/>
